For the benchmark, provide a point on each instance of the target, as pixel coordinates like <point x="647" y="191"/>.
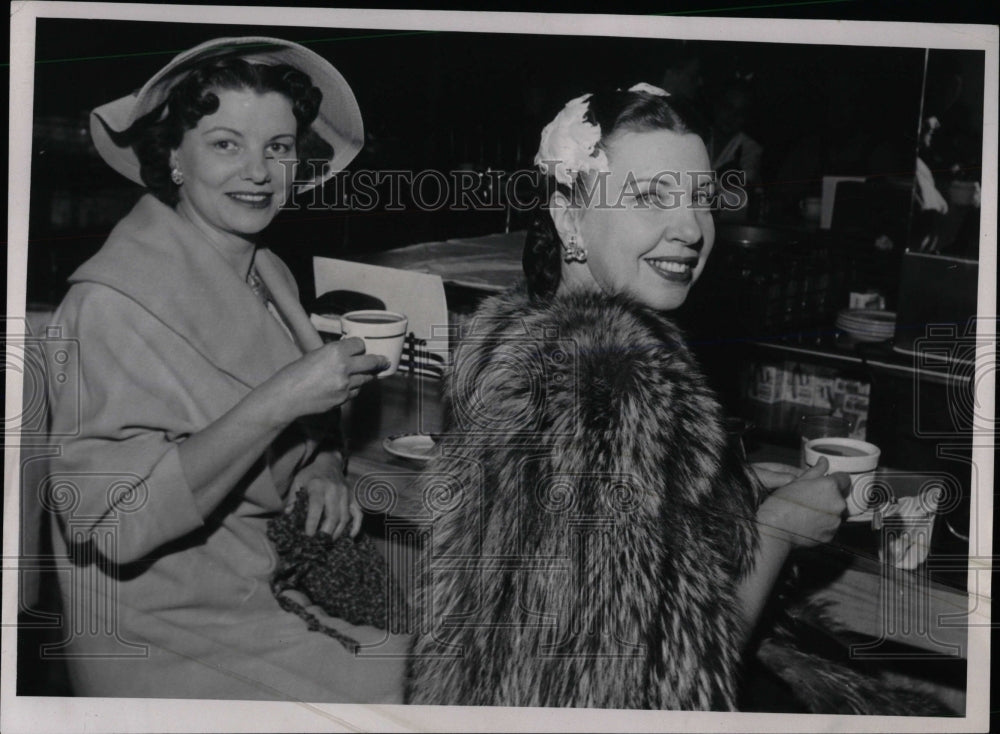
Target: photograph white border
<point x="22" y="714"/>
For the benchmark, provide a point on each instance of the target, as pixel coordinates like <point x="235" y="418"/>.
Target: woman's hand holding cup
<point x="325" y="378"/>
<point x="806" y="511"/>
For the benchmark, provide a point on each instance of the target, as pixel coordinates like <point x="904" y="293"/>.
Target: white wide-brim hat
<point x="338" y="122"/>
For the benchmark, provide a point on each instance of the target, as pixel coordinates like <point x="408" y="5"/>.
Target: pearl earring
<point x="176" y="176"/>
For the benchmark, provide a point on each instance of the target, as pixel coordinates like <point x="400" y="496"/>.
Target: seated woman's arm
<point x="801" y="511"/>
<point x="216" y="457"/>
<point x="137" y="452"/>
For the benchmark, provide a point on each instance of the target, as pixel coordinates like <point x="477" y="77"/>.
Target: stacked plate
<point x="867" y="325"/>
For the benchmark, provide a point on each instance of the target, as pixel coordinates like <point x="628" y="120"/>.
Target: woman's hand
<point x="805" y="511"/>
<point x="331" y="504"/>
<point x="323" y="379"/>
<point x="774" y="474"/>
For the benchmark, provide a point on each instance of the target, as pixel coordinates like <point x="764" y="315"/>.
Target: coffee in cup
<point x="857" y="458"/>
<point x="820" y="426"/>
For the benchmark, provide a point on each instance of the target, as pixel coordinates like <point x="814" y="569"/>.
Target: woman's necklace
<point x="257" y="285"/>
<point x="260" y="289"/>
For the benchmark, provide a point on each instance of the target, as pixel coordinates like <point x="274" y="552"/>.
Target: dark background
<point x="435" y="100"/>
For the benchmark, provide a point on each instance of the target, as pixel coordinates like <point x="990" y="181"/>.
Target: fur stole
<point x="589" y="520"/>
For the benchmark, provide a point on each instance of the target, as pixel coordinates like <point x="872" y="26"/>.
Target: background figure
<point x="845" y="135"/>
<point x="684" y="75"/>
<point x="730" y="148"/>
<point x="949" y="167"/>
<point x="838" y="142"/>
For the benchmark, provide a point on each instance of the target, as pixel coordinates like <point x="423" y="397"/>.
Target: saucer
<point x="413" y="446"/>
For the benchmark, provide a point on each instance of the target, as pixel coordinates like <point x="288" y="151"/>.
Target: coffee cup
<point x="383" y="332"/>
<point x="859" y="459"/>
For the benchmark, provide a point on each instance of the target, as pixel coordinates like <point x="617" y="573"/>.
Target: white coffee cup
<point x="857" y="458"/>
<point x="382" y="331"/>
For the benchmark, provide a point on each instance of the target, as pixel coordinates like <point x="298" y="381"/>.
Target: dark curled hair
<point x="192" y="98"/>
<point x="615" y="112"/>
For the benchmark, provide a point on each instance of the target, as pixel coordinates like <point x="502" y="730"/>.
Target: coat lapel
<point x="159" y="260"/>
<point x="286" y="300"/>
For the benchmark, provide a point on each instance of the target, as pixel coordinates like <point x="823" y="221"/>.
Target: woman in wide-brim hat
<point x="198" y="370"/>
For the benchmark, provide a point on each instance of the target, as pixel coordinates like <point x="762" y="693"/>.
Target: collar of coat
<point x="164" y="264"/>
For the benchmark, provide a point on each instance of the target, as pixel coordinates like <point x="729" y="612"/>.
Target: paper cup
<point x="907" y="529"/>
<point x="382" y="331"/>
<point x="857" y="458"/>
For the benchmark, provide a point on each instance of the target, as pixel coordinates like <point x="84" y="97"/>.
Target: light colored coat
<point x="159" y="601"/>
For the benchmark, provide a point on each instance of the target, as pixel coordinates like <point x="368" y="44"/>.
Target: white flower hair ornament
<point x="568" y="143"/>
<point x="649" y="89"/>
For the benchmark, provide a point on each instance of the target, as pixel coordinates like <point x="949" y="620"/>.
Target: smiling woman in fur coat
<point x="595" y="542"/>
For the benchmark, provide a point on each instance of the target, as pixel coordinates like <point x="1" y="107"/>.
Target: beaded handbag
<point x="345" y="576"/>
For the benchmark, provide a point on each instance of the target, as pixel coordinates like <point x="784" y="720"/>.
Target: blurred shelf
<point x="879" y="356"/>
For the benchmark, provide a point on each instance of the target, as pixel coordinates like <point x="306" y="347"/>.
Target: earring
<point x="176" y="176"/>
<point x="574" y="252"/>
